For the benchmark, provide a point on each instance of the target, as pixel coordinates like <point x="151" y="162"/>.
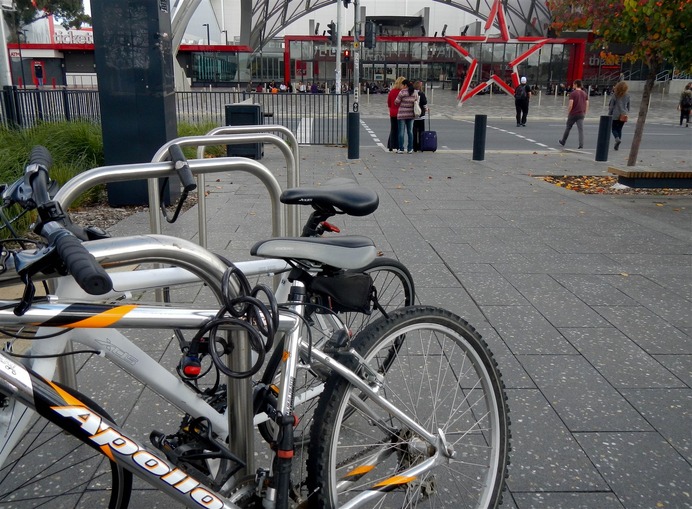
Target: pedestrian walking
<point x="685" y="105"/>
<point x="407" y="96"/>
<point x="619" y="109"/>
<point x="576" y="111"/>
<point x="522" y="94"/>
<point x="419" y="123"/>
<point x="38" y="73"/>
<point x="393" y="141"/>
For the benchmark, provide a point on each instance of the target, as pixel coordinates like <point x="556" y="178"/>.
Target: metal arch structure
<point x="270" y="17"/>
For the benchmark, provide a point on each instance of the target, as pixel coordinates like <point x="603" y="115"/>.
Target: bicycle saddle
<point x="340" y="194"/>
<point x="344" y="252"/>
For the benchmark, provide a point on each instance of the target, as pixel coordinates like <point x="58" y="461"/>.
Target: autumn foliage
<point x="657" y="31"/>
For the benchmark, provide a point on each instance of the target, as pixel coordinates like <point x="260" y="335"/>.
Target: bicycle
<point x="402" y="449"/>
<point x="338" y="196"/>
<point x="341" y="297"/>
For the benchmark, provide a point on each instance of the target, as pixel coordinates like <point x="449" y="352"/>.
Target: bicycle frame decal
<point x="90" y="316"/>
<point x="112" y="442"/>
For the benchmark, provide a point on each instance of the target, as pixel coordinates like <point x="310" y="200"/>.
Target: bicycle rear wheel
<point x="444" y="376"/>
<point x="52" y="469"/>
<point x="394" y="289"/>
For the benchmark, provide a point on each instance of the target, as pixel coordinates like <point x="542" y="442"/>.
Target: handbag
<point x="416" y="108"/>
<point x="623" y="118"/>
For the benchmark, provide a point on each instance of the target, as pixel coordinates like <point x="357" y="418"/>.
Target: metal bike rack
<point x="234" y="135"/>
<point x="239" y="391"/>
<point x="153" y="171"/>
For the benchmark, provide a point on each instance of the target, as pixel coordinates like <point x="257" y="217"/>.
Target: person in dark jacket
<point x="522" y="94"/>
<point x="685" y="105"/>
<point x="419" y="123"/>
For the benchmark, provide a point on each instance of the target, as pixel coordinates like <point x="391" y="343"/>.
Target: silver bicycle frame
<point x="17" y="382"/>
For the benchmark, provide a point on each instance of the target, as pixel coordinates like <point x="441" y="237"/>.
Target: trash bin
<point x="245" y="114"/>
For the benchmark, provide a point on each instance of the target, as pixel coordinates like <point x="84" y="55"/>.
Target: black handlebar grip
<point x="183" y="169"/>
<point x="90" y="276"/>
<point x="40" y="155"/>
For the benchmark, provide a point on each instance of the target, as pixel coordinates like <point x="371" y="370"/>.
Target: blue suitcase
<point x="428" y="140"/>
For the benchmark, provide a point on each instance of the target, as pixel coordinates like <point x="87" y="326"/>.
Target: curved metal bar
<point x="119" y="251"/>
<point x="104" y="174"/>
<point x="240" y="134"/>
<point x="209" y="268"/>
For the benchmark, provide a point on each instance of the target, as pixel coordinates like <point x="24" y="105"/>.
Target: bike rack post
<point x="292" y="169"/>
<point x="231" y="135"/>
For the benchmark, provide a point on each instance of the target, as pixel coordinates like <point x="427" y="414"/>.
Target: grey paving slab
<point x="669" y="411"/>
<point x="649" y="331"/>
<point x="492" y="289"/>
<point x="546" y="455"/>
<point x="679" y="365"/>
<point x="619" y="359"/>
<point x="594" y="290"/>
<point x="557" y="304"/>
<point x="580" y="395"/>
<point x="643" y="470"/>
<point x="668" y="305"/>
<point x="527" y="332"/>
<point x="603" y="500"/>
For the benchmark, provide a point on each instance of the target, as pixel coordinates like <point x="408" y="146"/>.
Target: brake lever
<point x="27" y="297"/>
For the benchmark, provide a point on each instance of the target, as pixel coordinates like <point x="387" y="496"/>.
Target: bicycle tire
<point x="442" y="361"/>
<point x="49" y="468"/>
<point x="395" y="288"/>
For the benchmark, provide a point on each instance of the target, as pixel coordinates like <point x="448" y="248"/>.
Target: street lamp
<point x="207" y="25"/>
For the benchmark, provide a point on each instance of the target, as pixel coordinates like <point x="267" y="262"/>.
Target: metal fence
<point x="316" y="119"/>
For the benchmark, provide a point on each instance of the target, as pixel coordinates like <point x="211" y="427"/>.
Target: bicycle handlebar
<point x="87" y="272"/>
<point x="183" y="169"/>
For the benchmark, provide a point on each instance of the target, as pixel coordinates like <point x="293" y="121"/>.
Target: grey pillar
<point x="134" y="67"/>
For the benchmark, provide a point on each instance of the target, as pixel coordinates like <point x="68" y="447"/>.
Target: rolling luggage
<point x="428" y="140"/>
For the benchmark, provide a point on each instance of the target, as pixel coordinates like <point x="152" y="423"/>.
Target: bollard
<point x="479" y="137"/>
<point x="353" y="135"/>
<point x="603" y="138"/>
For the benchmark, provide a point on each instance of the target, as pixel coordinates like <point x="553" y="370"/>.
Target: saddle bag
<point x="346" y="292"/>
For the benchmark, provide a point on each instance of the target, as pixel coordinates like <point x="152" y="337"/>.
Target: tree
<point x="656" y="31"/>
<point x="70" y="13"/>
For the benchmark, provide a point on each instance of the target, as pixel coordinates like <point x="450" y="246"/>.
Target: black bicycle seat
<point x="339" y="194"/>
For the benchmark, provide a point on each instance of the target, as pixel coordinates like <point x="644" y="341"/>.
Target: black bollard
<point x="479" y="128"/>
<point x="353" y="135"/>
<point x="603" y="137"/>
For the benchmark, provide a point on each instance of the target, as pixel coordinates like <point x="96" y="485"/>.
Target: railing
<point x="317" y="119"/>
<point x="663" y="76"/>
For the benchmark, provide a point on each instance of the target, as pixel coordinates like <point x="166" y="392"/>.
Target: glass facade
<point x="428" y="61"/>
<point x="313" y="60"/>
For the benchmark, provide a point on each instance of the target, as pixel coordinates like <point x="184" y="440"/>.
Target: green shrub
<point x="186" y="129"/>
<point x="74" y="146"/>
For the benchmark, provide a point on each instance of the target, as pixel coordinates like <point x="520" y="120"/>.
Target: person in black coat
<point x="419" y="123"/>
<point x="522" y="94"/>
